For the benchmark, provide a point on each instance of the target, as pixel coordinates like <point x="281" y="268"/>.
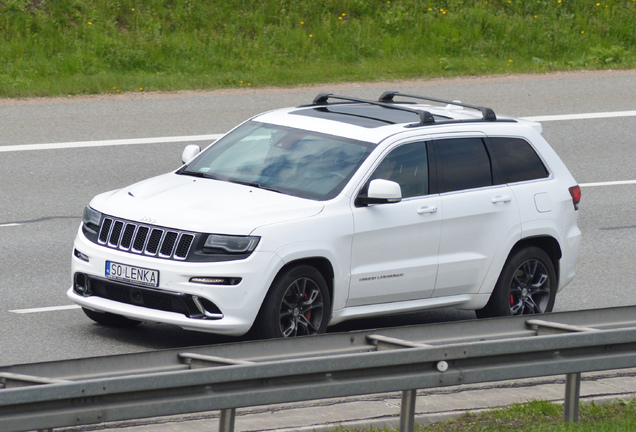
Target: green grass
<point x="55" y="47"/>
<point x="537" y="416"/>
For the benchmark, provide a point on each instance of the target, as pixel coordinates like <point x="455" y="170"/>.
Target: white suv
<point x="304" y="217"/>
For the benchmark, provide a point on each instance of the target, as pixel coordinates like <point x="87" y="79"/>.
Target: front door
<point x="395" y="245"/>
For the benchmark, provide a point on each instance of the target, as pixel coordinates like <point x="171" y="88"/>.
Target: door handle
<point x="427" y="209"/>
<point x="501" y="199"/>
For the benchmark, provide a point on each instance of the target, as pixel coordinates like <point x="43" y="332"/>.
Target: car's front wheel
<point x="527" y="285"/>
<point x="298" y="304"/>
<point x="111" y="320"/>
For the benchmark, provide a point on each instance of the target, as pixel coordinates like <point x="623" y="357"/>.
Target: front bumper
<point x="176" y="300"/>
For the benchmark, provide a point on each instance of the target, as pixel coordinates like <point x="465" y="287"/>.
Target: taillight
<point x="575" y="192"/>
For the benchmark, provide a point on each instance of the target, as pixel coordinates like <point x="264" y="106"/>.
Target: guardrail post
<point x="407" y="411"/>
<point x="572" y="391"/>
<point x="226" y="421"/>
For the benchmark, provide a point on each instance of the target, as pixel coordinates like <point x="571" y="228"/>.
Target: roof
<point x="374" y="120"/>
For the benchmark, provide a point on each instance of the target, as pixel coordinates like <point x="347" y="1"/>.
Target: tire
<point x="297" y="304"/>
<point x="111" y="320"/>
<point x="527" y="285"/>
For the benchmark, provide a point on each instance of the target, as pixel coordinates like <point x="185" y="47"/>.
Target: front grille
<point x="143" y="239"/>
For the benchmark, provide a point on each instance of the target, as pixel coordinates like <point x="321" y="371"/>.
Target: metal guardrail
<point x="227" y="377"/>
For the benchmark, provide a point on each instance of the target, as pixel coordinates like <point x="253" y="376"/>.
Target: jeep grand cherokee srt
<point x="304" y="217"/>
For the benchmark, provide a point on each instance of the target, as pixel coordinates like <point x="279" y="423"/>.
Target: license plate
<point x="137" y="275"/>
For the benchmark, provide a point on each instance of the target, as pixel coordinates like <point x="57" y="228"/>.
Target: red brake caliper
<point x="308" y="313"/>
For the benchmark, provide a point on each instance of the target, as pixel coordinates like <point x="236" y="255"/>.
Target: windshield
<point x="291" y="161"/>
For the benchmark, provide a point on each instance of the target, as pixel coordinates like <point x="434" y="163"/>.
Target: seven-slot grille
<point x="144" y="239"/>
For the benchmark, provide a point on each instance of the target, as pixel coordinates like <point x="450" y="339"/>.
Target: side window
<point x="463" y="163"/>
<point x="514" y="160"/>
<point x="408" y="166"/>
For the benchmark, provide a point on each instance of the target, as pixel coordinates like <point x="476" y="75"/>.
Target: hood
<point x="203" y="205"/>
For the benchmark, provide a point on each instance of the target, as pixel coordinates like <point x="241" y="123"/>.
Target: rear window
<point x="514" y="160"/>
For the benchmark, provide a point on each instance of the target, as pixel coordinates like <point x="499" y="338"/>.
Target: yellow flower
<point x="90" y="23"/>
<point x="133" y="9"/>
<point x="302" y="23"/>
<point x="339" y="18"/>
<point x="582" y="31"/>
<point x="311" y="35"/>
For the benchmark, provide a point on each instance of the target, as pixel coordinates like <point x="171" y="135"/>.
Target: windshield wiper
<point x="241" y="182"/>
<point x="256" y="185"/>
<point x="199" y="174"/>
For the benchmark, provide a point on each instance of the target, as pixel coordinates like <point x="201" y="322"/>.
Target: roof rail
<point x="487" y="113"/>
<point x="425" y="116"/>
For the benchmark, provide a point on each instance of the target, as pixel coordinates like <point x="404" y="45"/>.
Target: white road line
<point x="214" y="137"/>
<point x="9" y="225"/>
<point x="609" y="183"/>
<point x="107" y="143"/>
<point x="44" y="309"/>
<point x="586" y="116"/>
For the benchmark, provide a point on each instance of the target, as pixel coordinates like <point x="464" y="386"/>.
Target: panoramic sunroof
<point x="368" y="116"/>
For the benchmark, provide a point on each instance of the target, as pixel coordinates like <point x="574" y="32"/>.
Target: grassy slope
<point x="536" y="416"/>
<point x="52" y="47"/>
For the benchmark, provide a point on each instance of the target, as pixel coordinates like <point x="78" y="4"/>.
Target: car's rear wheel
<point x="111" y="320"/>
<point x="298" y="304"/>
<point x="527" y="285"/>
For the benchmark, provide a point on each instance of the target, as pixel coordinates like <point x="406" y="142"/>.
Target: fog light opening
<point x="207" y="308"/>
<point x="81" y="285"/>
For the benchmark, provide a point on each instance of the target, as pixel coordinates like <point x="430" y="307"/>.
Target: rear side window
<point x="514" y="160"/>
<point x="463" y="163"/>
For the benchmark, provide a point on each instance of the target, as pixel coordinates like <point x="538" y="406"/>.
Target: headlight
<point x="226" y="244"/>
<point x="91" y="219"/>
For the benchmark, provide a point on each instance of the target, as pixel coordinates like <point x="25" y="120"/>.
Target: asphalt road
<point x="44" y="190"/>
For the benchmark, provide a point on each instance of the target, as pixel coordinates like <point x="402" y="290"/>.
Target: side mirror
<point x="190" y="152"/>
<point x="381" y="192"/>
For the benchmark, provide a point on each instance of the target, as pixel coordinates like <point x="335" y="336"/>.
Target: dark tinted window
<point x="463" y="164"/>
<point x="514" y="160"/>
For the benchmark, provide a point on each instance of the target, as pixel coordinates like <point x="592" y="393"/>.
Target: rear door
<point x="478" y="215"/>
